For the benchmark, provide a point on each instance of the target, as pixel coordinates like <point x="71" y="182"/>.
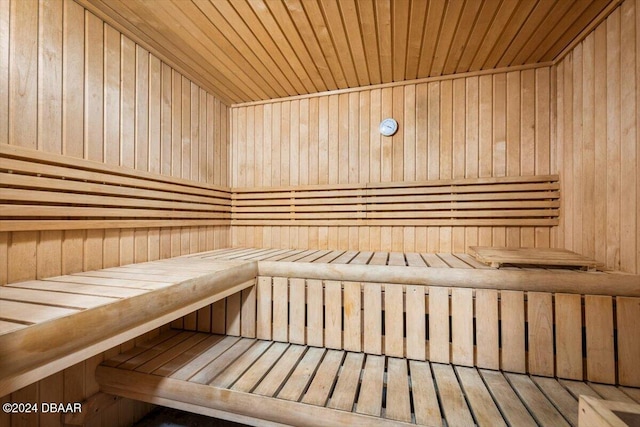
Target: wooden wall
<point x="482" y="125"/>
<point x="75" y="86"/>
<point x="598" y="143"/>
<point x="70" y="84"/>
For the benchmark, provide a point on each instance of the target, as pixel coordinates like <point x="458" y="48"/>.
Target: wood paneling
<point x="488" y="125"/>
<point x="79" y="88"/>
<point x="257" y="49"/>
<point x="72" y="85"/>
<point x="598" y="146"/>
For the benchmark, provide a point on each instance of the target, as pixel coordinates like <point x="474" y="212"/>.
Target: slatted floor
<point x="392" y="389"/>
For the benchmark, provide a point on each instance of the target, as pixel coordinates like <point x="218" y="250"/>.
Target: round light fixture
<point x="388" y="127"/>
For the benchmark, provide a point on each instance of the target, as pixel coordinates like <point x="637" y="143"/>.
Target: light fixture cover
<point x="388" y="127"/>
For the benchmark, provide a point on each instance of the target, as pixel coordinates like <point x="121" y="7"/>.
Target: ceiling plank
<point x="321" y="31"/>
<point x="486" y="16"/>
<point x="299" y="16"/>
<point x="463" y="32"/>
<point x="233" y="29"/>
<point x="417" y="17"/>
<point x="451" y="17"/>
<point x="333" y="19"/>
<point x="263" y="13"/>
<point x="519" y="17"/>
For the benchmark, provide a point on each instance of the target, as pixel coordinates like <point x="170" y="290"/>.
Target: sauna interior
<point x="199" y="210"/>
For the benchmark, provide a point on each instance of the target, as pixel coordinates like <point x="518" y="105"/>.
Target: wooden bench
<point x="504" y="201"/>
<point x="400" y="344"/>
<point x="48" y="325"/>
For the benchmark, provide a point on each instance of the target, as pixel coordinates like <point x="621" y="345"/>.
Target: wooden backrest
<point x="43" y="191"/>
<point x="569" y="336"/>
<point x="504" y="201"/>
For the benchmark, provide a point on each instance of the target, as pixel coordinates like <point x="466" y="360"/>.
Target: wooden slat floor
<point x="355" y="384"/>
<point x="410" y="259"/>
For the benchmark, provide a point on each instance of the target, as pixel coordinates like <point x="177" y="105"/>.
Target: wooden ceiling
<point x="248" y="50"/>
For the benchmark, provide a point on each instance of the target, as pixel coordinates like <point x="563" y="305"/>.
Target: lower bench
<point x="264" y="382"/>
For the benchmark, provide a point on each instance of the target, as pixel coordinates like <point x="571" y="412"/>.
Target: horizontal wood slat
<point x="515" y="201"/>
<point x="53" y="192"/>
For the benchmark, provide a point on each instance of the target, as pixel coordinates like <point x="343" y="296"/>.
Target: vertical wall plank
<point x="111" y="95"/>
<point x="23" y="73"/>
<point x="94" y="88"/>
<point x="4" y="70"/>
<point x="155" y="94"/>
<point x="49" y="254"/>
<point x="50" y="77"/>
<point x="142" y="110"/>
<point x="22" y="246"/>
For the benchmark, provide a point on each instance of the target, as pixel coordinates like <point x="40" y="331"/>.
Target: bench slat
<point x="31" y="313"/>
<point x="301" y="375"/>
<point x="247" y="382"/>
<point x="454" y="406"/>
<point x="482" y="405"/>
<point x="544" y="412"/>
<point x="507" y="400"/>
<point x="371" y="389"/>
<point x="344" y="393"/>
<point x="323" y="381"/>
<point x="64" y="300"/>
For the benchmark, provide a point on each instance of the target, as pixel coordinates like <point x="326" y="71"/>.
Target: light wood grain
<point x="439" y="324"/>
<point x="598" y="314"/>
<point x="568" y="315"/>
